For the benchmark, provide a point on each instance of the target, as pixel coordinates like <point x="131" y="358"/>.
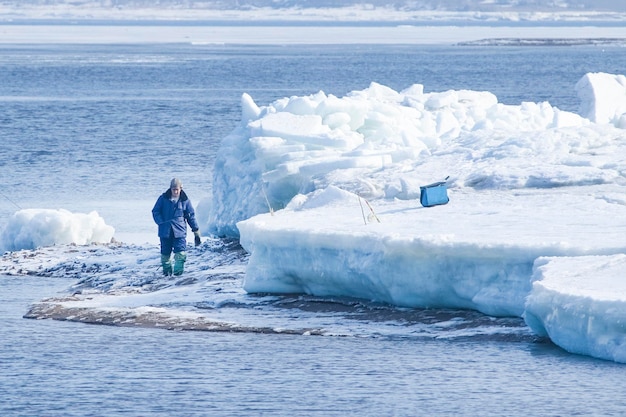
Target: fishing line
<point x="12" y="202"/>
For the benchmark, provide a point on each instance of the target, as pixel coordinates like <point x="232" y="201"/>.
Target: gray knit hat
<point x="176" y="183"/>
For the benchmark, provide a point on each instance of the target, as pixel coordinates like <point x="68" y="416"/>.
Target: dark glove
<point x="197" y="239"/>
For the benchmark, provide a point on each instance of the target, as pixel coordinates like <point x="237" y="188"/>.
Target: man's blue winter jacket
<point x="172" y="216"/>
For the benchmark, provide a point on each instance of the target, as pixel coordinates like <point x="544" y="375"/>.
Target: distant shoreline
<point x="547" y="42"/>
<point x="116" y="32"/>
<point x="307" y="23"/>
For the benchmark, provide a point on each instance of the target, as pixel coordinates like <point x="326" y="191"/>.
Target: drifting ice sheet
<point x="527" y="182"/>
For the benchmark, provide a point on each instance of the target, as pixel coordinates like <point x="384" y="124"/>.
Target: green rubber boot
<point x="179" y="262"/>
<point x="166" y="263"/>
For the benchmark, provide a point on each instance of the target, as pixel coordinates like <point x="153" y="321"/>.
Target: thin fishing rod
<point x="12" y="202"/>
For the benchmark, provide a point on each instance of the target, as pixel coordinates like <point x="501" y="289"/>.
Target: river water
<point x="52" y="368"/>
<point x="105" y="127"/>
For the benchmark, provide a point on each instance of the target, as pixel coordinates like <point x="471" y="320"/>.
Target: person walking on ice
<point x="172" y="212"/>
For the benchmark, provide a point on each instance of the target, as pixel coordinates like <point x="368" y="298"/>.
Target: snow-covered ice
<point x="33" y="228"/>
<point x="473" y="253"/>
<point x="528" y="184"/>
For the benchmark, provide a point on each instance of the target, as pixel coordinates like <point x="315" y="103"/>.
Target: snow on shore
<point x="271" y="11"/>
<point x="115" y="32"/>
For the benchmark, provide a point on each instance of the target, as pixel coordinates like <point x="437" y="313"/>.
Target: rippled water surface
<point x="52" y="368"/>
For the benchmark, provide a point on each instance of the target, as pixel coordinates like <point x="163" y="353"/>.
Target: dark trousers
<point x="177" y="244"/>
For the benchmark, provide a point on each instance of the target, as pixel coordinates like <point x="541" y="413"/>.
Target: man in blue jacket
<point x="172" y="212"/>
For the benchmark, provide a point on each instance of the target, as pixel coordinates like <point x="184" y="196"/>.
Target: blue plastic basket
<point x="434" y="194"/>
